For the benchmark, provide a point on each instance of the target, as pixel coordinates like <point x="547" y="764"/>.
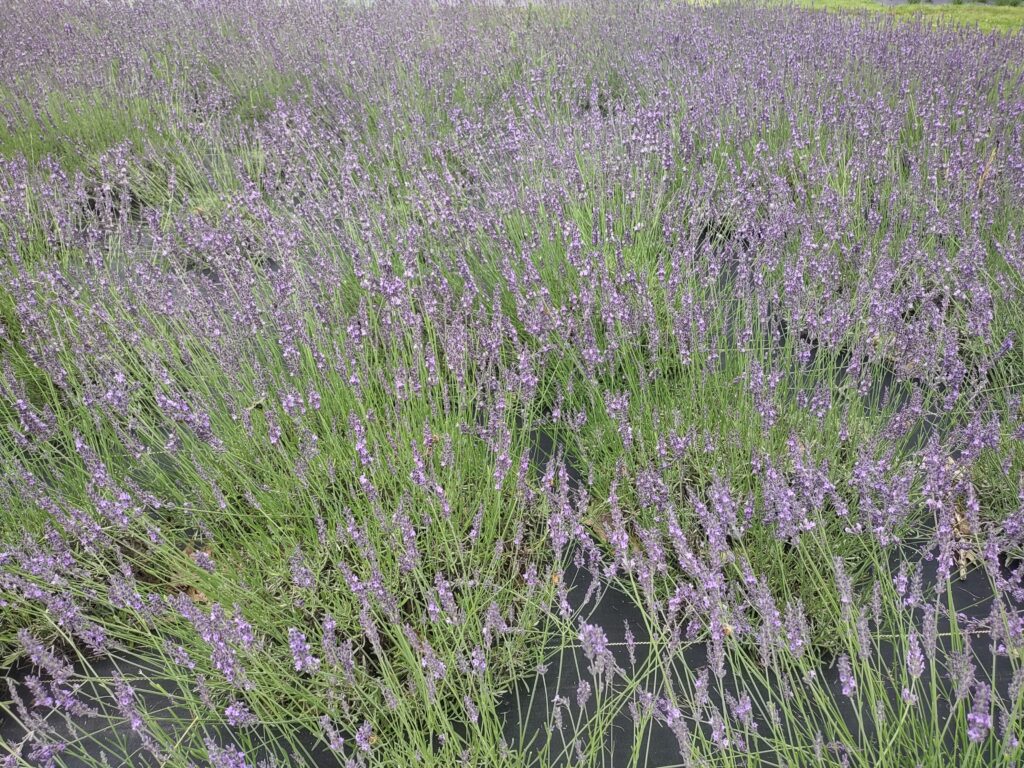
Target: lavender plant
<point x="352" y="358"/>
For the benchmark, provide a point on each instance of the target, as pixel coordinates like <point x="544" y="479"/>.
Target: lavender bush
<point x="350" y="355"/>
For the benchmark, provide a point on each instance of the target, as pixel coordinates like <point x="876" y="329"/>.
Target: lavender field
<point x="592" y="384"/>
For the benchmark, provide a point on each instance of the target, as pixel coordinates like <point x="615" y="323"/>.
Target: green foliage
<point x="1003" y="18"/>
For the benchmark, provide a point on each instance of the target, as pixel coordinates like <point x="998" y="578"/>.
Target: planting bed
<point x="545" y="385"/>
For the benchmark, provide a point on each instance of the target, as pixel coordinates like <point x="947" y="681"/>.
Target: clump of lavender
<point x="314" y="288"/>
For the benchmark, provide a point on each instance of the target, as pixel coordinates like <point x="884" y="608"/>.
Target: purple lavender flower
<point x="915" y="656"/>
<point x="558" y="703"/>
<point x="595" y="647"/>
<point x="630" y="643"/>
<point x="222" y="634"/>
<point x="125" y="695"/>
<point x="359" y="432"/>
<point x="962" y="673"/>
<point x="303" y="658"/>
<point x="302" y="577"/>
<point x="59" y="670"/>
<point x="796" y="629"/>
<point x="583" y="691"/>
<point x="979" y="719"/>
<point x="720" y="735"/>
<point x="846" y="679"/>
<point x="618" y="411"/>
<point x="203" y="692"/>
<point x="364" y="737"/>
<point x="477" y="661"/>
<point x="494" y="624"/>
<point x="45" y="754"/>
<point x="204" y="560"/>
<point x="743" y="710"/>
<point x="472" y="713"/>
<point x="672" y="716"/>
<point x="409" y="558"/>
<point x="224" y="757"/>
<point x="239" y="715"/>
<point x="447" y="599"/>
<point x="844" y="584"/>
<point x="335" y="741"/>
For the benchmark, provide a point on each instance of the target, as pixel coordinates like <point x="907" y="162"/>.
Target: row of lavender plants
<point x="350" y="355"/>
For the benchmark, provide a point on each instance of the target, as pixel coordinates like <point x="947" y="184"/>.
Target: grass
<point x="984" y="16"/>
